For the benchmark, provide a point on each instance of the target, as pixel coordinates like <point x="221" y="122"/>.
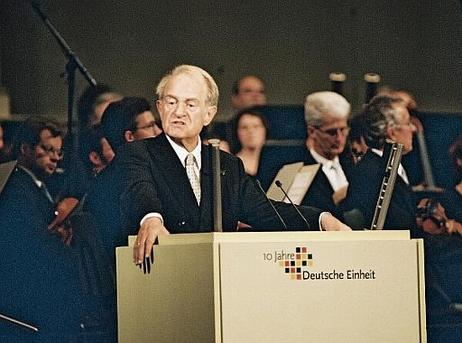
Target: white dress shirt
<point x="401" y="170"/>
<point x="181" y="152"/>
<point x="332" y="169"/>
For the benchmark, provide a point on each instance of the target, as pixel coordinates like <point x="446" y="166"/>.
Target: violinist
<point x="39" y="280"/>
<point x="388" y="119"/>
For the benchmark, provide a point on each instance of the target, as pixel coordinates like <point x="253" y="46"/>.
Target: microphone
<point x="272" y="206"/>
<point x="279" y="184"/>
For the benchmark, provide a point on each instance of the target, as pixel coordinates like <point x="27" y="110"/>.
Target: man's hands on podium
<point x="147" y="236"/>
<point x="330" y="223"/>
<point x="153" y="227"/>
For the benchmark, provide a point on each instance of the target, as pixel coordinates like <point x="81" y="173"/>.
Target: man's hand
<point x="330" y="223"/>
<point x="147" y="235"/>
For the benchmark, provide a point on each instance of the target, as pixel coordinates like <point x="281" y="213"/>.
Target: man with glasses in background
<point x="127" y="120"/>
<point x="326" y="116"/>
<point x="40" y="282"/>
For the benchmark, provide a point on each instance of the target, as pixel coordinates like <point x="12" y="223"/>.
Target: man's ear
<point x="95" y="159"/>
<point x="391" y="132"/>
<point x="211" y="111"/>
<point x="310" y="130"/>
<point x="129" y="136"/>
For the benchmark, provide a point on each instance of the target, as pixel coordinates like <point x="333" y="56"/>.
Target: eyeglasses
<point x="151" y="125"/>
<point x="334" y="131"/>
<point x="49" y="150"/>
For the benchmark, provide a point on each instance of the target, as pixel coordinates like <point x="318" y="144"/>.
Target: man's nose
<point x="180" y="109"/>
<point x="55" y="156"/>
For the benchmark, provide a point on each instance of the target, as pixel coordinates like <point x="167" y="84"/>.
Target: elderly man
<point x="169" y="178"/>
<point x="326" y="116"/>
<point x="384" y="118"/>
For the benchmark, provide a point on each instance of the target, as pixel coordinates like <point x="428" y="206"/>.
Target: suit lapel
<point x="320" y="177"/>
<point x="174" y="175"/>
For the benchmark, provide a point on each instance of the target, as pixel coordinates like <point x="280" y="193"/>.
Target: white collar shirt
<point x="401" y="170"/>
<point x="332" y="169"/>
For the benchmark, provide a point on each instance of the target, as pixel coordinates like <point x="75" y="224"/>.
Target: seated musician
<point x="40" y="283"/>
<point x="123" y="121"/>
<point x="384" y="118"/>
<point x="388" y="119"/>
<point x="326" y="117"/>
<point x="452" y="196"/>
<point x="169" y="177"/>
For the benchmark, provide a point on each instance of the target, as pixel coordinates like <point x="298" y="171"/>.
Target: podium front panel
<point x="315" y="291"/>
<point x="174" y="302"/>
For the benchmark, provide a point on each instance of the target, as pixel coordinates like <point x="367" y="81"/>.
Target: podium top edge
<point x="279" y="236"/>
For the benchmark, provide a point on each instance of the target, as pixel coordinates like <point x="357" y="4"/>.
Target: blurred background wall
<point x="292" y="45"/>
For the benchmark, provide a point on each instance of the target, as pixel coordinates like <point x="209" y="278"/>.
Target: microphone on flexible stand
<point x="272" y="206"/>
<point x="279" y="184"/>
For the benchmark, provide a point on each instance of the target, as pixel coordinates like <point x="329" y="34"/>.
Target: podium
<point x="275" y="287"/>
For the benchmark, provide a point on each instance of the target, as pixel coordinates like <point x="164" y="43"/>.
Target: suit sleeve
<point x="139" y="195"/>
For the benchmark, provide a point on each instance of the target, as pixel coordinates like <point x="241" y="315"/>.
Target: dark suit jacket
<point x="363" y="192"/>
<point x="320" y="192"/>
<point x="39" y="284"/>
<point x="103" y="201"/>
<point x="156" y="181"/>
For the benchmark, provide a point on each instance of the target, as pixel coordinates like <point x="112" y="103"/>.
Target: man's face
<point x="184" y="109"/>
<point x="329" y="139"/>
<point x="44" y="157"/>
<point x="251" y="93"/>
<point x="403" y="130"/>
<point x="145" y="126"/>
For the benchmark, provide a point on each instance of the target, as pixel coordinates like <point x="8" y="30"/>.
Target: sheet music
<point x="302" y="183"/>
<point x="296" y="178"/>
<point x="286" y="175"/>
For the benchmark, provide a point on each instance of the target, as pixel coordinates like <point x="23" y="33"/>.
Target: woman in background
<point x="250" y="136"/>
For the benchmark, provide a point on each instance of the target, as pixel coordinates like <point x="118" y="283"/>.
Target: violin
<point x="431" y="217"/>
<point x="61" y="225"/>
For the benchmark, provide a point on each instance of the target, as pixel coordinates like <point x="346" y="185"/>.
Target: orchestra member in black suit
<point x="39" y="280"/>
<point x="169" y="178"/>
<point x="384" y="119"/>
<point x="326" y="116"/>
<point x="123" y="121"/>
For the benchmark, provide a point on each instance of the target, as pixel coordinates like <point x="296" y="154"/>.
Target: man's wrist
<point x="320" y="220"/>
<point x="152" y="215"/>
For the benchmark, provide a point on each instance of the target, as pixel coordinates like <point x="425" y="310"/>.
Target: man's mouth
<point x="178" y="123"/>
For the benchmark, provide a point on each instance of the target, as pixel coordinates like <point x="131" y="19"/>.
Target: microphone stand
<point x="71" y="66"/>
<point x="216" y="170"/>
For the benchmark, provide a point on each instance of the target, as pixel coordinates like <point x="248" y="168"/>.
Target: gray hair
<point x="376" y="117"/>
<point x="318" y="105"/>
<point x="212" y="88"/>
